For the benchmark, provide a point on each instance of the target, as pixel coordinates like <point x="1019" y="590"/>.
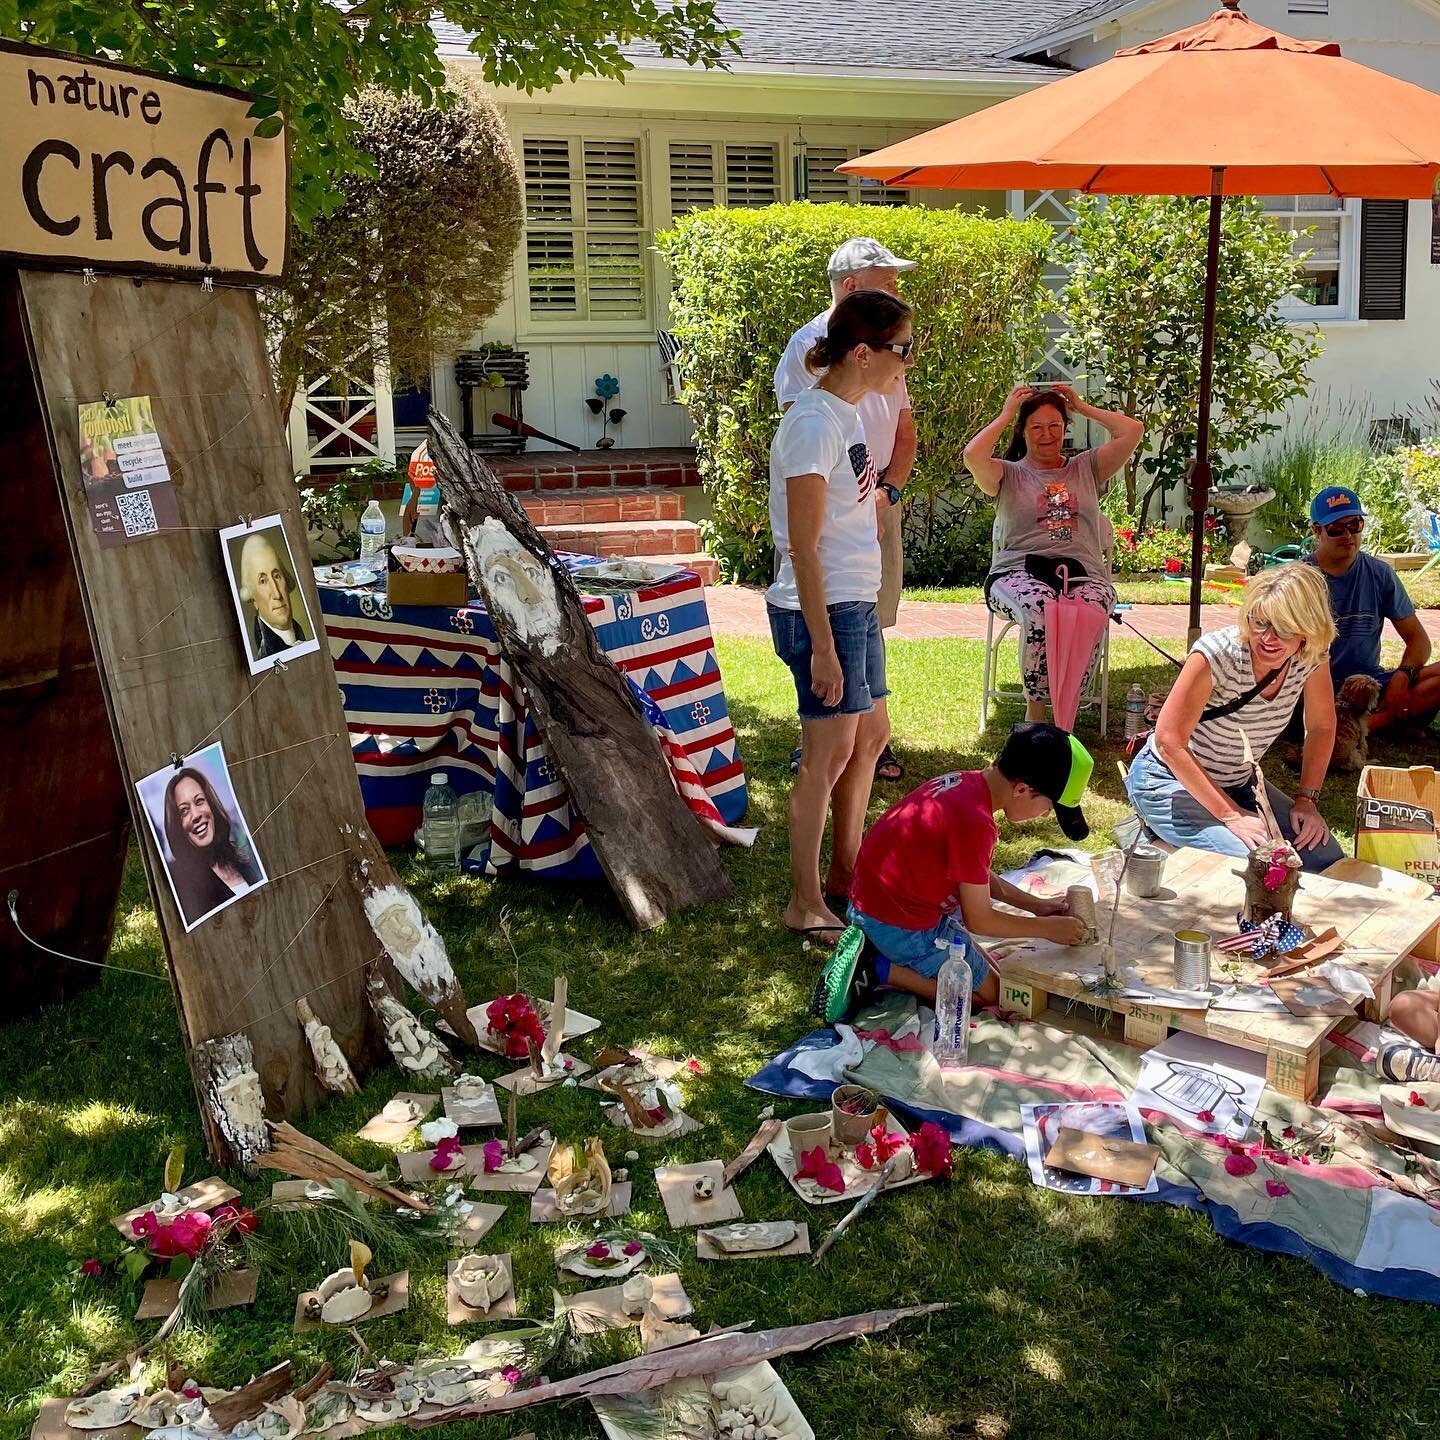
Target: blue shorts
<point x="923" y="951"/>
<point x="858" y="646"/>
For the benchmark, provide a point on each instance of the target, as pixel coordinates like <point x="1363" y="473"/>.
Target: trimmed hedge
<point x="745" y="280"/>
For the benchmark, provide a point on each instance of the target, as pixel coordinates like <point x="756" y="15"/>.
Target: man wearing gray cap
<point x="865" y="264"/>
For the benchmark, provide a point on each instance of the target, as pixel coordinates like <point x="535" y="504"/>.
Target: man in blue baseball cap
<point x="1364" y="593"/>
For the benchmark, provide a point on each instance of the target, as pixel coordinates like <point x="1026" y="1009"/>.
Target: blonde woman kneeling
<point x="1191" y="784"/>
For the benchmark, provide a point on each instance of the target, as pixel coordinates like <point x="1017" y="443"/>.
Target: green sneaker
<point x="846" y="975"/>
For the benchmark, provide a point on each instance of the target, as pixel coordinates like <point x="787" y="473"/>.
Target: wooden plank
<point x="63" y="860"/>
<point x="172" y="667"/>
<point x="651" y="847"/>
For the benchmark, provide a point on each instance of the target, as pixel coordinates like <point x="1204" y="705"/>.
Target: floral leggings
<point x="1020" y="597"/>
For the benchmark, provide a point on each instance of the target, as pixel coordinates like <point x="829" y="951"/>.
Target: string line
<point x="310" y="866"/>
<point x="175" y="649"/>
<point x="11" y="901"/>
<point x="255" y="830"/>
<point x="265" y="754"/>
<point x="335" y="980"/>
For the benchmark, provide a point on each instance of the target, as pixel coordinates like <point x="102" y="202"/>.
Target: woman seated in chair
<point x="1192" y="784"/>
<point x="1047" y="514"/>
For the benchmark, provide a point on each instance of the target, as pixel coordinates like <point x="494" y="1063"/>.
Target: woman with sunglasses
<point x="1047" y="514"/>
<point x="1192" y="784"/>
<point x="822" y="605"/>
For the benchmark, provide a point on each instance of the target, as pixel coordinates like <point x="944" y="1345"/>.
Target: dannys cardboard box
<point x="1396" y="814"/>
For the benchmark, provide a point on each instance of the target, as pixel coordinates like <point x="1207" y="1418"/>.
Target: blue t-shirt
<point x="1362" y="599"/>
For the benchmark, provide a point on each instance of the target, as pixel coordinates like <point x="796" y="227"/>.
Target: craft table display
<point x="426" y="688"/>
<point x="1203" y="891"/>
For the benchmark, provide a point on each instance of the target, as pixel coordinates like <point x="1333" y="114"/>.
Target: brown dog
<point x="1356" y="698"/>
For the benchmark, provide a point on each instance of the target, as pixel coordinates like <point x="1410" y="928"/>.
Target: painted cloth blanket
<point x="1343" y="1213"/>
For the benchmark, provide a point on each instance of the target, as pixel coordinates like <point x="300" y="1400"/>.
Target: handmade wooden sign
<point x="111" y="167"/>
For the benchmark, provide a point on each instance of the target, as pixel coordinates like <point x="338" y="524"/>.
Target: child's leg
<point x="902" y="977"/>
<point x="1416" y="1013"/>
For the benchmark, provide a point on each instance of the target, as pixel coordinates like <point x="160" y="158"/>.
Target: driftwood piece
<point x="330" y="1063"/>
<point x="720" y="1350"/>
<point x="249" y="1400"/>
<point x="294" y="1153"/>
<point x="316" y="1383"/>
<point x="410" y="940"/>
<point x="234" y="1102"/>
<point x="768" y="1130"/>
<point x="417" y="1051"/>
<point x="652" y="849"/>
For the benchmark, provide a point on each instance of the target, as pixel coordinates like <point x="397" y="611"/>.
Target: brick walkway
<point x="740" y="610"/>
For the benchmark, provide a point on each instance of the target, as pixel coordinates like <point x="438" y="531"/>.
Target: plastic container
<point x="1134" y="711"/>
<point x="440" y="824"/>
<point x="372" y="530"/>
<point x="950" y="1044"/>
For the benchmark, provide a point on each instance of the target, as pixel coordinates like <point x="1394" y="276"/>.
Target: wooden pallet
<point x="1379" y="922"/>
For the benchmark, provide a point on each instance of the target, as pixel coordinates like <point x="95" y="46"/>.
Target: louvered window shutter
<point x="1382" y="259"/>
<point x="692" y="175"/>
<point x="752" y="175"/>
<point x="825" y="184"/>
<point x="550" y="239"/>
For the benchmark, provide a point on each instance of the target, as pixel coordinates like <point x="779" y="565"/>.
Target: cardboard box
<point x="1395" y="826"/>
<point x="402" y="587"/>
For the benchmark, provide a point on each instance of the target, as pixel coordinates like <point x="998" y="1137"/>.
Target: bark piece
<point x="234" y="1101"/>
<point x="331" y="1066"/>
<point x="249" y="1400"/>
<point x="295" y="1153"/>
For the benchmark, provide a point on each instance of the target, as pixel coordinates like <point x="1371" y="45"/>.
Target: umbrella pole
<point x="1200" y="473"/>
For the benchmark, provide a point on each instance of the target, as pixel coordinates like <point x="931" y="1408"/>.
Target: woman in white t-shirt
<point x="822" y="604"/>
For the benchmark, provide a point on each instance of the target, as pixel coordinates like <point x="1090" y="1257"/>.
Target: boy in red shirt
<point x="923" y="876"/>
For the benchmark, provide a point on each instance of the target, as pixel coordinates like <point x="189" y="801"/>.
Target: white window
<point x="585" y="232"/>
<point x="1327" y="284"/>
<point x="743" y="175"/>
<point x="826" y="184"/>
<point x="1309" y="7"/>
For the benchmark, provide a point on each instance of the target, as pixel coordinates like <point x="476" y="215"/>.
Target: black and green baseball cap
<point x="1055" y="763"/>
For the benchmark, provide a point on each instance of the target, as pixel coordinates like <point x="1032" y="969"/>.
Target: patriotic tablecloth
<point x="426" y="688"/>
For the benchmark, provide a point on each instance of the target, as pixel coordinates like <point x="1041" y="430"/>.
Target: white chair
<point x="1096" y="692"/>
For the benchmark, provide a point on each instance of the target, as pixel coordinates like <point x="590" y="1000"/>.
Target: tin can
<point x="1145" y="871"/>
<point x="1192" y="960"/>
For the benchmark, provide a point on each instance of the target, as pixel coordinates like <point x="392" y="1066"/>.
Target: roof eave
<point x="1048" y="41"/>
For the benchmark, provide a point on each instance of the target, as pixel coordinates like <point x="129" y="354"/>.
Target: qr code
<point x="137" y="514"/>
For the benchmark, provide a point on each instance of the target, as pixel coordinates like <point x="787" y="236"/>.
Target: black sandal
<point x="888" y="767"/>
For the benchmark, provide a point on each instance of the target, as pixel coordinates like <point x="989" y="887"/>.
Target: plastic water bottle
<point x="440" y="824"/>
<point x="1134" y="711"/>
<point x="372" y="530"/>
<point x="951" y="1043"/>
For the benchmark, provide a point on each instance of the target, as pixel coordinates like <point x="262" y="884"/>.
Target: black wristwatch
<point x="892" y="492"/>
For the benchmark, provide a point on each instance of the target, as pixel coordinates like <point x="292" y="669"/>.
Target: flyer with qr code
<point x="128" y="488"/>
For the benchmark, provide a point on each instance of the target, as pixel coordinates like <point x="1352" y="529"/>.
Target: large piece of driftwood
<point x="721" y="1350"/>
<point x="652" y="849"/>
<point x="294" y="1153"/>
<point x="249" y="1400"/>
<point x="233" y="1099"/>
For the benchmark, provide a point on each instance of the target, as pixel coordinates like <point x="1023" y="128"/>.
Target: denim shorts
<point x="923" y="951"/>
<point x="857" y="645"/>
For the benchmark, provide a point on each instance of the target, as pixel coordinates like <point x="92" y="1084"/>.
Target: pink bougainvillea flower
<point x="1288" y="1132"/>
<point x="933" y="1152"/>
<point x="446" y="1151"/>
<point x="184" y="1235"/>
<point x="633" y="1247"/>
<point x="190" y="1390"/>
<point x="1278" y="1158"/>
<point x="657" y="1114"/>
<point x="144" y="1225"/>
<point x="879" y="1148"/>
<point x="1239" y="1165"/>
<point x="569" y="1064"/>
<point x="694" y="1066"/>
<point x="243" y="1221"/>
<point x="816" y="1165"/>
<point x="1173" y="566"/>
<point x="513" y="1019"/>
<point x="1276" y="1188"/>
<point x="91" y="1269"/>
<point x="1416" y="1098"/>
<point x="1304" y="1159"/>
<point x="493" y="1155"/>
<point x="512" y="1375"/>
<point x="1205" y="1116"/>
<point x="598" y="1251"/>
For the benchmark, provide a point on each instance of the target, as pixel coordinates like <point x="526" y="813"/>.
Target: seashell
<point x="635" y="1294"/>
<point x="157" y="1409"/>
<point x="108" y="1408"/>
<point x="768" y="1113"/>
<point x="704" y="1187"/>
<point x="620" y="1176"/>
<point x="480" y="1281"/>
<point x="521" y="1164"/>
<point x="632" y="1156"/>
<point x="341" y="1299"/>
<point x="400" y="1111"/>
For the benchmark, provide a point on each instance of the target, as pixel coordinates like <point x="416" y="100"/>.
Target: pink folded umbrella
<point x="1073" y="628"/>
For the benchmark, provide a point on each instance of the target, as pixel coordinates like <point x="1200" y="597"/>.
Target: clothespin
<point x="207" y="282"/>
<point x="89" y="276"/>
<point x="176" y="760"/>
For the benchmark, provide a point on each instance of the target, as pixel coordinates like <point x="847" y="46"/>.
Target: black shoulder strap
<point x="1219" y="712"/>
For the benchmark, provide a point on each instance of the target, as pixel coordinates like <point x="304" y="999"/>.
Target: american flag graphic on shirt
<point x="864" y="469"/>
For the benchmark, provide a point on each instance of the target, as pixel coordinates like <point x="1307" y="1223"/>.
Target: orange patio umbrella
<point x="1210" y="110"/>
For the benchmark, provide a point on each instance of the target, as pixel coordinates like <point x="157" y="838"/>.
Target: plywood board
<point x="484" y="1111"/>
<point x="397" y="1300"/>
<point x="592" y="1311"/>
<point x="457" y="1312"/>
<point x="706" y="1249"/>
<point x="481" y="1220"/>
<point x="683" y="1207"/>
<point x="526" y="1184"/>
<point x="234" y="1287"/>
<point x="544" y="1210"/>
<point x="380" y="1131"/>
<point x="202" y="1195"/>
<point x="174" y="672"/>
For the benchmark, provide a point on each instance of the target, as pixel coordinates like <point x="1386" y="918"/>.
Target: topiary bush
<point x="745" y="280"/>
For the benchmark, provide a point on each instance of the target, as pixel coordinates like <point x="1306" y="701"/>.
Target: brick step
<point x="626" y="537"/>
<point x="707" y="567"/>
<point x="604" y="507"/>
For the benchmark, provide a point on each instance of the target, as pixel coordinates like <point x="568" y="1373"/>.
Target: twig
<point x="868" y="1198"/>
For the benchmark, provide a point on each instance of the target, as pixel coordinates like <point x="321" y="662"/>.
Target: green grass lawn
<point x="1071" y="1317"/>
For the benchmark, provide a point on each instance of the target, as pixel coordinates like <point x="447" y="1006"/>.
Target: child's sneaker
<point x="1406" y="1063"/>
<point x="848" y="977"/>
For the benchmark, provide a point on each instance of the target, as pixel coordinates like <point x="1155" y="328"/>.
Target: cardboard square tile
<point x="202" y="1195"/>
<point x="397" y="1300"/>
<point x="576" y="1025"/>
<point x="395" y="1132"/>
<point x="457" y="1312"/>
<point x="1104" y="1157"/>
<point x="1305" y="996"/>
<point x="544" y="1210"/>
<point x="290" y="1194"/>
<point x="415" y="1165"/>
<point x="677" y="1191"/>
<point x="706" y="1249"/>
<point x="595" y="1310"/>
<point x="234" y="1287"/>
<point x="484" y="1111"/>
<point x="526" y="1184"/>
<point x="687" y="1125"/>
<point x="481" y="1220"/>
<point x="661" y="1068"/>
<point x="50" y="1424"/>
<point x="523" y="1081"/>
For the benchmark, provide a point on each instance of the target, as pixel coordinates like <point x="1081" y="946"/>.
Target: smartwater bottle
<point x="372" y="530"/>
<point x="951" y="1042"/>
<point x="440" y="824"/>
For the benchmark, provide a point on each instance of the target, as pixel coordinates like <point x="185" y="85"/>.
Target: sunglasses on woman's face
<point x="903" y="348"/>
<point x="1259" y="622"/>
<point x="1352" y="526"/>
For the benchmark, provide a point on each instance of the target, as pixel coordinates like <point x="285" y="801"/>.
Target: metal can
<point x="1192" y="960"/>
